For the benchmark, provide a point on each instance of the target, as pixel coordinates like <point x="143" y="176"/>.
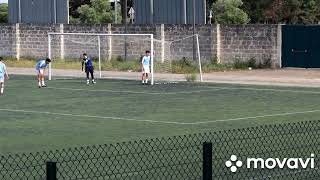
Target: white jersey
<point x="3" y="70"/>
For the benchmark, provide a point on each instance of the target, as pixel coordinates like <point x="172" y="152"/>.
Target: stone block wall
<point x="227" y="43"/>
<point x="243" y="42"/>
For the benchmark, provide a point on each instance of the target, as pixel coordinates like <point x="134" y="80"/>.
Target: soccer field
<point x="70" y="113"/>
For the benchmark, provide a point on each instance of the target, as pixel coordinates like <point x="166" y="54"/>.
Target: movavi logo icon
<point x="233" y="163"/>
<point x="271" y="163"/>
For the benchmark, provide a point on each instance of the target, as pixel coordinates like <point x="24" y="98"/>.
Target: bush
<point x="214" y="60"/>
<point x="184" y="66"/>
<point x="252" y="62"/>
<point x="238" y="64"/>
<point x="267" y="63"/>
<point x="191" y="77"/>
<point x="186" y="62"/>
<point x="119" y="59"/>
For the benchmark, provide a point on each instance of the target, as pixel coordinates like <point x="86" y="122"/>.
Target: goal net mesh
<point x="119" y="57"/>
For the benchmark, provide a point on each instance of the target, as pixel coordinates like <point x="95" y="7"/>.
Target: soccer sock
<point x="87" y="72"/>
<point x="39" y="83"/>
<point x="2" y="89"/>
<point x="42" y="81"/>
<point x="146" y="80"/>
<point x="92" y="76"/>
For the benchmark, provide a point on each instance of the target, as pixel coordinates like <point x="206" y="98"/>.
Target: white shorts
<point x="146" y="69"/>
<point x="40" y="71"/>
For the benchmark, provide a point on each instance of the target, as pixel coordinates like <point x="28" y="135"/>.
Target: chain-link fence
<point x="199" y="156"/>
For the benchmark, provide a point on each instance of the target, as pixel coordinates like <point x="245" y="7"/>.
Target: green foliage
<point x="266" y="63"/>
<point x="191" y="77"/>
<point x="238" y="64"/>
<point x="214" y="60"/>
<point x="256" y="9"/>
<point x="283" y="11"/>
<point x="252" y="62"/>
<point x="301" y="11"/>
<point x="73" y="20"/>
<point x="207" y="68"/>
<point x="98" y="12"/>
<point x="229" y="12"/>
<point x="184" y="66"/>
<point x="74" y="5"/>
<point x="117" y="63"/>
<point x="119" y="59"/>
<point x="3" y="13"/>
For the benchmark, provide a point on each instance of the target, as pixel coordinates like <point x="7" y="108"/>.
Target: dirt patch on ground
<point x="278" y="77"/>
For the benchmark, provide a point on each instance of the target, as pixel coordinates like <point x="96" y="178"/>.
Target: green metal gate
<point x="301" y="46"/>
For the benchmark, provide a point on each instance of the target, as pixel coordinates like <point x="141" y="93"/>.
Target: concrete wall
<point x="249" y="41"/>
<point x="228" y="43"/>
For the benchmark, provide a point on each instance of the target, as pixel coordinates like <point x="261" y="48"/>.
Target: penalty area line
<point x="135" y="92"/>
<point x="90" y="116"/>
<point x="161" y="122"/>
<point x="256" y="117"/>
<point x="262" y="89"/>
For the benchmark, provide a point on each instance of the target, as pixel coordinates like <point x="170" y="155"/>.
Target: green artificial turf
<point x="70" y="113"/>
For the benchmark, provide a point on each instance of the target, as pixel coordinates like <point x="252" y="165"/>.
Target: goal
<point x="118" y="56"/>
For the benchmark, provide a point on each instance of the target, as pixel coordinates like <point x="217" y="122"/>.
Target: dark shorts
<point x="89" y="69"/>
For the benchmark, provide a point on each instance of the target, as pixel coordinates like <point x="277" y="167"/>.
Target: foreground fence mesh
<point x="198" y="156"/>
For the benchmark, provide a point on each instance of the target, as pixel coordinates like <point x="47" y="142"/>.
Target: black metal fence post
<point x="51" y="171"/>
<point x="207" y="161"/>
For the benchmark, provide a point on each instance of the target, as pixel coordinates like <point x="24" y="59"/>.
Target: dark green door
<point x="295" y="46"/>
<point x="300" y="46"/>
<point x="315" y="47"/>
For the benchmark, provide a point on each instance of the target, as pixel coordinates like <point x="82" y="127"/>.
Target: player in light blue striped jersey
<point x="40" y="68"/>
<point x="3" y="75"/>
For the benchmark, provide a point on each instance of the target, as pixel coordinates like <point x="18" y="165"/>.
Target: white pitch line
<point x="198" y="91"/>
<point x="132" y="92"/>
<point x="90" y="116"/>
<point x="256" y="117"/>
<point x="162" y="122"/>
<point x="261" y="89"/>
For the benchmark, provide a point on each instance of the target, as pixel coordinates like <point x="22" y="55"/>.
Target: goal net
<point x="118" y="56"/>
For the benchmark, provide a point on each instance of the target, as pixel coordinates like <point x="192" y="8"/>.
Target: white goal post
<point x="173" y="54"/>
<point x="99" y="48"/>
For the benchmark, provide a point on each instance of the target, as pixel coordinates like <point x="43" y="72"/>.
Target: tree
<point x="98" y="12"/>
<point x="301" y="11"/>
<point x="3" y="13"/>
<point x="256" y="9"/>
<point x="74" y="5"/>
<point x="229" y="12"/>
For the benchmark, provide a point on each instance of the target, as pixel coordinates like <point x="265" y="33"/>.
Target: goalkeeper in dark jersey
<point x="88" y="67"/>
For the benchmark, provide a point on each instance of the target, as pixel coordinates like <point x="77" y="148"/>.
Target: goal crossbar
<point x="98" y="35"/>
<point x="102" y="34"/>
